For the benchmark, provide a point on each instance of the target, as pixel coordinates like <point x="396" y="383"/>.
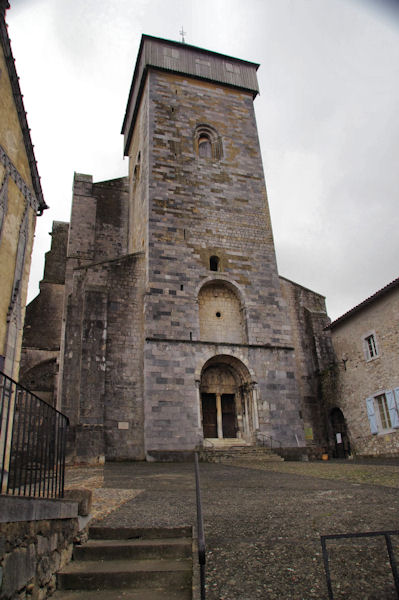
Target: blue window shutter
<point x="393" y="413"/>
<point x="371" y="415"/>
<point x="396" y="394"/>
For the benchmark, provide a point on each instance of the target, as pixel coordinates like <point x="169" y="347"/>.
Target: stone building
<point x="21" y="200"/>
<point x="363" y="386"/>
<point x="176" y="325"/>
<point x="43" y="319"/>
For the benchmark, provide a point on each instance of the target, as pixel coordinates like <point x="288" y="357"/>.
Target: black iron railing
<point x="267" y="440"/>
<point x="371" y="534"/>
<point x="200" y="529"/>
<point x="32" y="443"/>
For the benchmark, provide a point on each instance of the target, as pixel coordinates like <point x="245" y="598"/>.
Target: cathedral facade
<point x="177" y="329"/>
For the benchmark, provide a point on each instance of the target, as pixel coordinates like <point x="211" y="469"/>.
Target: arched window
<point x="205" y="147"/>
<point x="214" y="263"/>
<point x="207" y="142"/>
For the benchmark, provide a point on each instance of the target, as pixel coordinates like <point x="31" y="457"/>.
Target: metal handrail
<point x="269" y="437"/>
<point x="32" y="443"/>
<point x="200" y="529"/>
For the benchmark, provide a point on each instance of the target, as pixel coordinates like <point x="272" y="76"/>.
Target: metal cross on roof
<point x="182" y="33"/>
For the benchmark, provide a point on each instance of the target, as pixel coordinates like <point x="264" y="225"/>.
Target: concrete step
<point x="120" y="574"/>
<point x="134" y="549"/>
<point x="130" y="533"/>
<point x="125" y="594"/>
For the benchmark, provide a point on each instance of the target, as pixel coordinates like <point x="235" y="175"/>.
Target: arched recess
<point x="227" y="399"/>
<point x="221" y="313"/>
<point x="41" y="379"/>
<point x="341" y="445"/>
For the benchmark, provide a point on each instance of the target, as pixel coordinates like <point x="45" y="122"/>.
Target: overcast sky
<point x="328" y="116"/>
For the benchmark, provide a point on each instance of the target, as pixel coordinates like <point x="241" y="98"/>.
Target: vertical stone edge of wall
<point x="36" y="540"/>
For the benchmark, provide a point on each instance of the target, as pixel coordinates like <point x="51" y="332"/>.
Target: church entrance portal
<point x="218" y="408"/>
<point x="227" y="402"/>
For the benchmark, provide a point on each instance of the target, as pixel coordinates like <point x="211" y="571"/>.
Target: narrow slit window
<point x="214" y="263"/>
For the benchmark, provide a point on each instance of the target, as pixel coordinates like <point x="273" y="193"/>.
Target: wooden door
<point x="209" y="415"/>
<point x="229" y="416"/>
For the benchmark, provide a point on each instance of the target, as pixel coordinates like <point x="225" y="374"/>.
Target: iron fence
<point x="32" y="443"/>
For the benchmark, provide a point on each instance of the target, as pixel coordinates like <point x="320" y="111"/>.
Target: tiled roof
<point x="390" y="286"/>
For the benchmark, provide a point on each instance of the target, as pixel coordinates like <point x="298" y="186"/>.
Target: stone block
<point x="84" y="498"/>
<point x="19" y="568"/>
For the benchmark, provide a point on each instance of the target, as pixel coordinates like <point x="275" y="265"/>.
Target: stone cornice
<point x="230" y="344"/>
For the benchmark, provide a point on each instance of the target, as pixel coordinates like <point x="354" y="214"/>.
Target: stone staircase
<point x="130" y="564"/>
<point x="244" y="453"/>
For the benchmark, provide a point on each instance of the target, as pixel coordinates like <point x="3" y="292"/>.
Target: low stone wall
<point x="36" y="538"/>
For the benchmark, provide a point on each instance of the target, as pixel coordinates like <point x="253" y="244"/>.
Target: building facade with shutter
<point x="364" y="384"/>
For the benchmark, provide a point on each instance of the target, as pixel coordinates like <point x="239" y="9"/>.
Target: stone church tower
<point x="175" y="327"/>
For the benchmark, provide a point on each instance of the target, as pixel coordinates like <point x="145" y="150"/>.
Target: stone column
<point x="255" y="395"/>
<point x="219" y="415"/>
<point x="199" y="404"/>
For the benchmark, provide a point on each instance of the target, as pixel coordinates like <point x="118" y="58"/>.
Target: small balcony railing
<point x="32" y="443"/>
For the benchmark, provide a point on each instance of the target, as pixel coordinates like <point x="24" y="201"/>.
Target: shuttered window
<point x="383" y="411"/>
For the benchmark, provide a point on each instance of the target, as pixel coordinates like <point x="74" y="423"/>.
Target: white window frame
<point x="390" y="409"/>
<point x="370" y="346"/>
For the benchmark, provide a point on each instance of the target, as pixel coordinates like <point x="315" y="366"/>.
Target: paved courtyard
<point x="263" y="523"/>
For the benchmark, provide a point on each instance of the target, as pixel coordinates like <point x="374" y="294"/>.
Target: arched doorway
<point x="227" y="399"/>
<point x="341" y="448"/>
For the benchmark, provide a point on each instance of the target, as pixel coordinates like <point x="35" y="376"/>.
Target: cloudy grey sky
<point x="327" y="115"/>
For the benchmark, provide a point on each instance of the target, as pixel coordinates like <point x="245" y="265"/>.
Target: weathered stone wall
<point x="103" y="363"/>
<point x="139" y="178"/>
<point x="313" y="354"/>
<point x="201" y="207"/>
<point x="43" y="320"/>
<point x="35" y="542"/>
<point x="174" y="421"/>
<point x="359" y="378"/>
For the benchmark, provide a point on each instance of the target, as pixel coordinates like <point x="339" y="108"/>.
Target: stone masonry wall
<point x="43" y="320"/>
<point x="198" y="204"/>
<point x="201" y="207"/>
<point x="313" y="354"/>
<point x="359" y="378"/>
<point x="103" y="361"/>
<point x="175" y="367"/>
<point x="36" y="540"/>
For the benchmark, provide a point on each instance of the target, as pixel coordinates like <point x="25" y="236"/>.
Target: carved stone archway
<point x="228" y="399"/>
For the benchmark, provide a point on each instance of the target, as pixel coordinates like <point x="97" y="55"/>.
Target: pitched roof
<point x="390" y="286"/>
<point x="18" y="99"/>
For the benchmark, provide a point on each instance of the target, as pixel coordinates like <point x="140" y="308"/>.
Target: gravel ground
<point x="263" y="523"/>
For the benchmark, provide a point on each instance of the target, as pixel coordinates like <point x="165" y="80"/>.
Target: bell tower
<point x="217" y="358"/>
